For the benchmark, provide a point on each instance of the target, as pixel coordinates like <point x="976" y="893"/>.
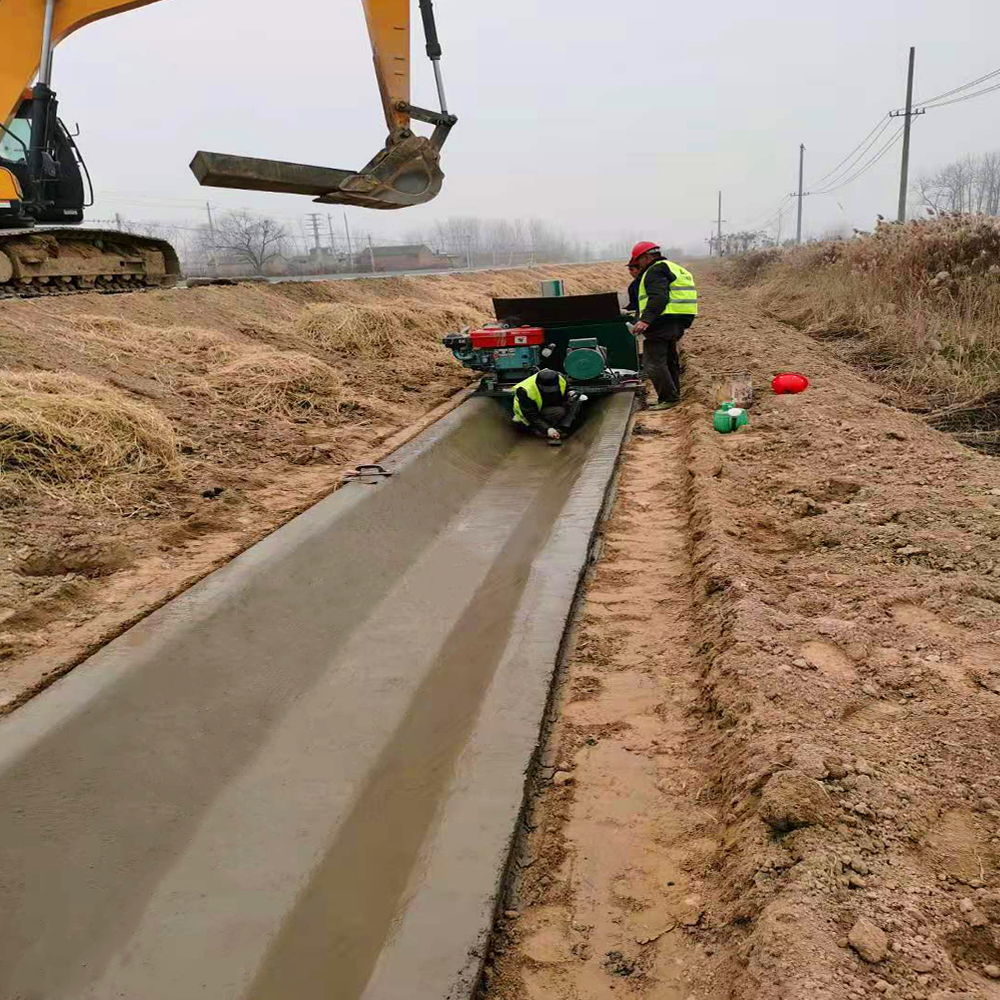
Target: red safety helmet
<point x="640" y="248"/>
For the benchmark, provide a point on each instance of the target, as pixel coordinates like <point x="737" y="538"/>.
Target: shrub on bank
<point x="920" y="301"/>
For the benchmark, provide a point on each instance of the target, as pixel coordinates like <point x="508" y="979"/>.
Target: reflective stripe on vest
<point x="530" y="386"/>
<point x="683" y="299"/>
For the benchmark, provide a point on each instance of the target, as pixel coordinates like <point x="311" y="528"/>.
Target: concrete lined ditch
<point x="301" y="778"/>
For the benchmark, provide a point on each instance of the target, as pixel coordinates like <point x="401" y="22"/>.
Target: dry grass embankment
<point x="62" y="428"/>
<point x="916" y="306"/>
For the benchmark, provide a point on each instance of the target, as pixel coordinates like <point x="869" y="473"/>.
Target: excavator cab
<point x="43" y="179"/>
<point x="51" y="177"/>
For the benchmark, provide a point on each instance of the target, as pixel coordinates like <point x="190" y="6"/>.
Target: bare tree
<point x="246" y="238"/>
<point x="460" y="236"/>
<point x="742" y="242"/>
<point x="969" y="185"/>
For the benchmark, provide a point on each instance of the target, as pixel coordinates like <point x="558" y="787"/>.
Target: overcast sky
<point x="614" y="121"/>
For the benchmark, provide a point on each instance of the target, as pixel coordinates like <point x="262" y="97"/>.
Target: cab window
<point x="10" y="149"/>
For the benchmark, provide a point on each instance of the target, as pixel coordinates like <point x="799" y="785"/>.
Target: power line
<point x="855" y="165"/>
<point x="769" y="214"/>
<point x="868" y="166"/>
<point x="957" y="90"/>
<point x="964" y="97"/>
<point x="867" y="142"/>
<point x="836" y="174"/>
<point x="896" y="136"/>
<point x="775" y="217"/>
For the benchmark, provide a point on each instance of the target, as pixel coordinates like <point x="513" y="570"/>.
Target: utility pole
<point x="371" y="252"/>
<point x="329" y="222"/>
<point x="904" y="173"/>
<point x="212" y="262"/>
<point x="350" y="249"/>
<point x="313" y="218"/>
<point x="781" y="214"/>
<point x="802" y="164"/>
<point x="719" y="230"/>
<point x="118" y="221"/>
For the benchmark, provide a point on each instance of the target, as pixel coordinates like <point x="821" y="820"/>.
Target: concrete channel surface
<point x="300" y="779"/>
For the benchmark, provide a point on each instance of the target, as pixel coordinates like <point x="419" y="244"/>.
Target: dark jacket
<point x="633" y="295"/>
<point x="531" y="412"/>
<point x="658" y="281"/>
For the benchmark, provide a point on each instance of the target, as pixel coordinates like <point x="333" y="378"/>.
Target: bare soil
<point x="82" y="559"/>
<point x="773" y="771"/>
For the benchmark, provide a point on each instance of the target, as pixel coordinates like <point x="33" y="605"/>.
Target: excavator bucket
<point x="405" y="173"/>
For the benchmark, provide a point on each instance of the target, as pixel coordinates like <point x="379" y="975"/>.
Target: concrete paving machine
<point x="44" y="181"/>
<point x="583" y="336"/>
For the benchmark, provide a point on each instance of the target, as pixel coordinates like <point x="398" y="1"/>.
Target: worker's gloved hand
<point x="553" y="434"/>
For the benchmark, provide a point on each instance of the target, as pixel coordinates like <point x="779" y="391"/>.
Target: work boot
<point x="668" y="405"/>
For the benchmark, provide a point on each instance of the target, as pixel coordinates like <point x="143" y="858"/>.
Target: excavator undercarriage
<point x="35" y="262"/>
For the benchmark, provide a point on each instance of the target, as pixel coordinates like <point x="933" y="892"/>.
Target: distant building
<point x="409" y="257"/>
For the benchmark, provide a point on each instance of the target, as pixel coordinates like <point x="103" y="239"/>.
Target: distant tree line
<point x="968" y="185"/>
<point x="476" y="242"/>
<point x="254" y="243"/>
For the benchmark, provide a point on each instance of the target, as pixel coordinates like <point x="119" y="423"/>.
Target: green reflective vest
<point x="530" y="386"/>
<point x="683" y="293"/>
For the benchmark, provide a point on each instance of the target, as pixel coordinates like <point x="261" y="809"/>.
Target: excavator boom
<point x="22" y="29"/>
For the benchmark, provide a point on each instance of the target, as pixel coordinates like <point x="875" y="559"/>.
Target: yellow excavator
<point x="45" y="185"/>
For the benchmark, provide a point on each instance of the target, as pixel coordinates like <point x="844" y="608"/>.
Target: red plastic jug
<point x="789" y="382"/>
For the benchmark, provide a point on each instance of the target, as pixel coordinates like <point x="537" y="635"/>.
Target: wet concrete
<point x="300" y="779"/>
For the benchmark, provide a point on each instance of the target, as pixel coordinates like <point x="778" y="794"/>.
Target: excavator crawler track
<point x="40" y="262"/>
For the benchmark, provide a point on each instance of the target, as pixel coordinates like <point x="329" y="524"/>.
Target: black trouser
<point x="662" y="363"/>
<point x="563" y="418"/>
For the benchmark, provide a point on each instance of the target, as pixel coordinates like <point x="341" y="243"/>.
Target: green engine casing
<point x="585" y="359"/>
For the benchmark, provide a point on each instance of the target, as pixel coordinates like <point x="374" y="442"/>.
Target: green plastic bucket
<point x="728" y="418"/>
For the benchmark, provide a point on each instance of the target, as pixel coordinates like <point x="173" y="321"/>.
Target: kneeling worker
<point x="545" y="406"/>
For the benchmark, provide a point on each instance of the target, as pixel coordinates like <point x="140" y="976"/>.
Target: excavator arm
<point x="405" y="172"/>
<point x="23" y="29"/>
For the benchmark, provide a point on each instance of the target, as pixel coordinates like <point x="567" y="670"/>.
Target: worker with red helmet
<point x="667" y="306"/>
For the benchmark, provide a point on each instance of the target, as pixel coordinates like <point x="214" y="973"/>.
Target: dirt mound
<point x="58" y="428"/>
<point x="276" y="383"/>
<point x="367" y="331"/>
